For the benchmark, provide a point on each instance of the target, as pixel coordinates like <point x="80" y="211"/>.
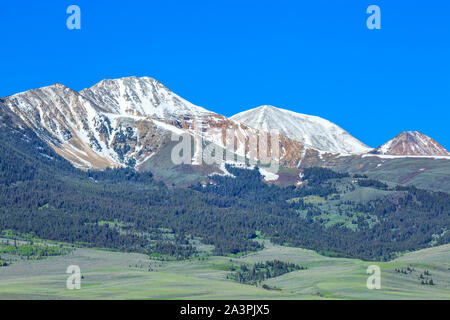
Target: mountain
<point x="314" y="132"/>
<point x="82" y="131"/>
<point x="131" y="122"/>
<point x="411" y="143"/>
<point x="127" y="121"/>
<point x="144" y="97"/>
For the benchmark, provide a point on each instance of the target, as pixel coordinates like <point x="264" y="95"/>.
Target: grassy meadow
<point x="116" y="275"/>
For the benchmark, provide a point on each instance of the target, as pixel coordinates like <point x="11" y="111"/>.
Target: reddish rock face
<point x="412" y="143"/>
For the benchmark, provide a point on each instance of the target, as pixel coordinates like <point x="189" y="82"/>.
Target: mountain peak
<point x="266" y="107"/>
<point x="53" y="87"/>
<point x="312" y="131"/>
<point x="411" y="133"/>
<point x="412" y="143"/>
<point x="126" y="80"/>
<point x="57" y="85"/>
<point x="141" y="96"/>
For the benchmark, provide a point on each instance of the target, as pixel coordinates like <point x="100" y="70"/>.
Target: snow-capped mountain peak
<point x="141" y="97"/>
<point x="412" y="143"/>
<point x="312" y="131"/>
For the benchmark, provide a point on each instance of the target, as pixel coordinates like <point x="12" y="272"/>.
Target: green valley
<point x="115" y="275"/>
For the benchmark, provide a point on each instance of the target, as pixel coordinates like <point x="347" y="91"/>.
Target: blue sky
<point x="314" y="57"/>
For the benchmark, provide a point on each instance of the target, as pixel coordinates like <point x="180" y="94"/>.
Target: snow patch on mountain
<point x="268" y="175"/>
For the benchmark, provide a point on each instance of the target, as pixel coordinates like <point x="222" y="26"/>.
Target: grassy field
<point x="113" y="275"/>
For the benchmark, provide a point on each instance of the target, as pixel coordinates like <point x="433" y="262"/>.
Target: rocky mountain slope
<point x="82" y="131"/>
<point x="411" y="143"/>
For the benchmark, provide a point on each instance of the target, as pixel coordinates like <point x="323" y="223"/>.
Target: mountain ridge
<point x="126" y="121"/>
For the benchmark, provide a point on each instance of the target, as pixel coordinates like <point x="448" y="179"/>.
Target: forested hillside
<point x="122" y="209"/>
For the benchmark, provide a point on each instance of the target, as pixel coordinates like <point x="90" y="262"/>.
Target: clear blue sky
<point x="314" y="57"/>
